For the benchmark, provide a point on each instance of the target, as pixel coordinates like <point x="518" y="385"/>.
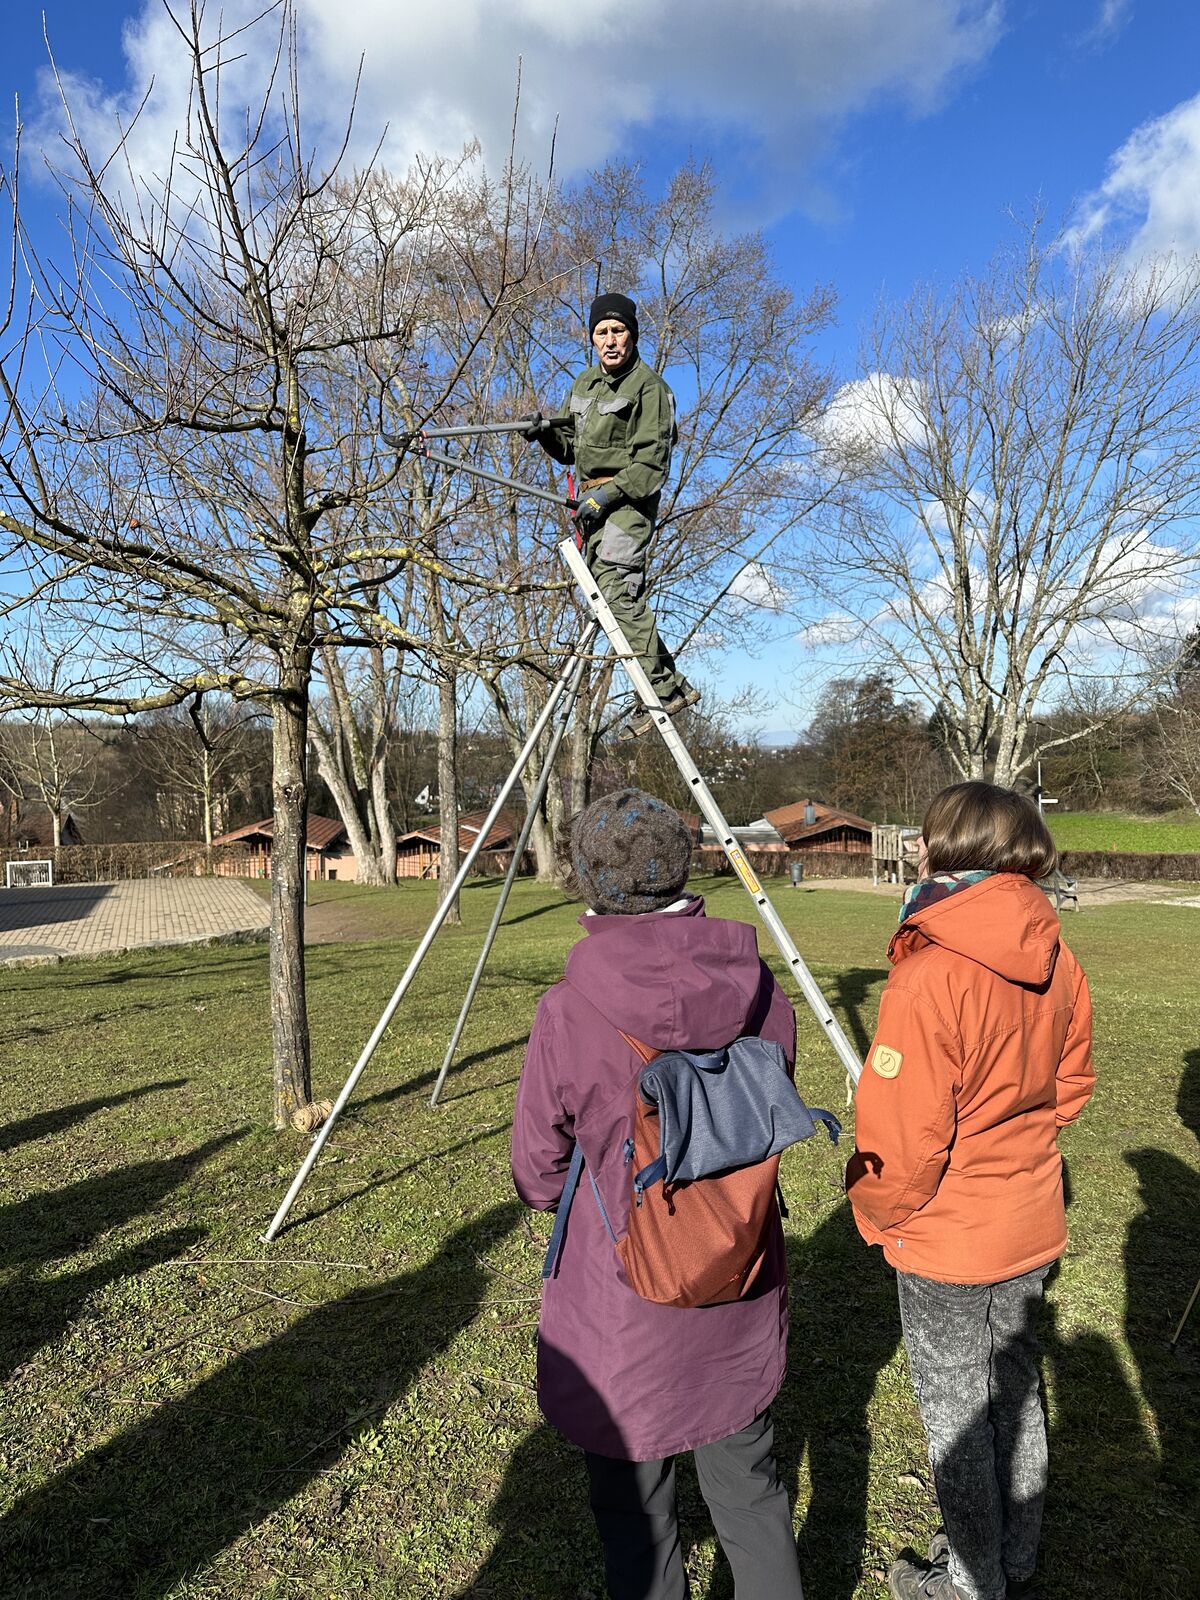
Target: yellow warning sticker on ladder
<point x="744" y="870"/>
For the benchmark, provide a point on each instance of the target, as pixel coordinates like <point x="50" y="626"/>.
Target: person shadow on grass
<point x="140" y="1515"/>
<point x="845" y="1327"/>
<point x="1162" y="1265"/>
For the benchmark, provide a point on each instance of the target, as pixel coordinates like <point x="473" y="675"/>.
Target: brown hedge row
<point x="1140" y="866"/>
<point x="110" y="863"/>
<point x="777" y="863"/>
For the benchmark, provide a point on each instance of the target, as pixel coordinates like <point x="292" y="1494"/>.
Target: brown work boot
<point x="674" y="705"/>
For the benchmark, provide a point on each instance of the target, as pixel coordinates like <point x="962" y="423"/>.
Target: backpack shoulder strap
<point x="554" y="1248"/>
<point x="647" y="1052"/>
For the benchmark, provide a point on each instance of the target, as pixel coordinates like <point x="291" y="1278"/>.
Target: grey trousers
<point x="633" y="1503"/>
<point x="973" y="1353"/>
<point x="624" y="589"/>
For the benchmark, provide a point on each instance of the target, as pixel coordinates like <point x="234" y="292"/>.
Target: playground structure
<point x="893" y="853"/>
<point x="556" y="715"/>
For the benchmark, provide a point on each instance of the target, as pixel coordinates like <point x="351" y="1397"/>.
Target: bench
<point x="1061" y="889"/>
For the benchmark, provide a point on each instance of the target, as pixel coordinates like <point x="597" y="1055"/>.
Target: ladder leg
<point x="803" y="977"/>
<point x="566" y="706"/>
<point x="539" y="727"/>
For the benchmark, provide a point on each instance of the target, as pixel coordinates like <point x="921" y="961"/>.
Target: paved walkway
<point x="91" y="919"/>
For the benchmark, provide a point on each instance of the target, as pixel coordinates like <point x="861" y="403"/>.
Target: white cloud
<point x="870" y="415"/>
<point x="835" y="628"/>
<point x="1111" y="17"/>
<point x="1151" y="195"/>
<point x="777" y="76"/>
<point x="755" y="586"/>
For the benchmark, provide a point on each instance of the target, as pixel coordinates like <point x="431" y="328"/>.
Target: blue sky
<point x="881" y="142"/>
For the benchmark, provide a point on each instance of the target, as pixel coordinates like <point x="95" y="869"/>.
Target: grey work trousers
<point x="973" y="1353"/>
<point x="624" y="589"/>
<point x="633" y="1503"/>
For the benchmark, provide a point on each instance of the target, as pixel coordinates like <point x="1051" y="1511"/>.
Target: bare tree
<point x="194" y="755"/>
<point x="196" y="455"/>
<point x="1027" y="453"/>
<point x="54" y="761"/>
<point x="735" y="344"/>
<point x="1175" y="759"/>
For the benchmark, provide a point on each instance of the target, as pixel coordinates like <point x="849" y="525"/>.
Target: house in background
<point x="29" y="825"/>
<point x="417" y="851"/>
<point x="327" y="850"/>
<point x="759" y="835"/>
<point x="808" y="825"/>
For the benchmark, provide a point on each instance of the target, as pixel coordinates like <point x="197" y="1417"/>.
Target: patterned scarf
<point x="928" y="891"/>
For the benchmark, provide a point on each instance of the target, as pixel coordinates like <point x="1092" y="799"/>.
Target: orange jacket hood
<point x="1005" y="923"/>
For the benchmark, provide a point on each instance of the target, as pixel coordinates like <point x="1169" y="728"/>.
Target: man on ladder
<point x="618" y="432"/>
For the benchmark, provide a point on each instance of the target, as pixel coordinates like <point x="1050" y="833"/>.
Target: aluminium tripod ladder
<point x="558" y="708"/>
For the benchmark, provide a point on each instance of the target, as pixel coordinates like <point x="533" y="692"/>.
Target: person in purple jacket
<point x="633" y="1383"/>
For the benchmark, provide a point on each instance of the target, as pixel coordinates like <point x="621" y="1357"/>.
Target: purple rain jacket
<point x="619" y="1375"/>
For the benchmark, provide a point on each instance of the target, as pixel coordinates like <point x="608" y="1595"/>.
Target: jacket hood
<point x="673" y="979"/>
<point x="1004" y="923"/>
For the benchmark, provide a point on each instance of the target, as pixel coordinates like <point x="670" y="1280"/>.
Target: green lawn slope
<point x="190" y="1414"/>
<point x="1115" y="830"/>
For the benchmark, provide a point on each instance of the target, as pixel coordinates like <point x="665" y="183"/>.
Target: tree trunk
<point x="370" y="859"/>
<point x="542" y="840"/>
<point x="448" y="790"/>
<point x="291" y="1080"/>
<point x="207" y="797"/>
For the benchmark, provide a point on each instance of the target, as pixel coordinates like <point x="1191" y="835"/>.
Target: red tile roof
<point x="502" y="832"/>
<point x="789" y="823"/>
<point x="321" y="832"/>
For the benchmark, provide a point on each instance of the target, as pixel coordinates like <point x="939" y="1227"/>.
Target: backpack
<point x="703" y="1165"/>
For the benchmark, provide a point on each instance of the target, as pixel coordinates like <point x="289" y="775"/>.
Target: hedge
<point x="777" y="863"/>
<point x="1138" y="865"/>
<point x="110" y="863"/>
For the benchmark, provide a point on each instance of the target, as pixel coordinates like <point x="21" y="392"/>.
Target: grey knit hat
<point x="631" y="853"/>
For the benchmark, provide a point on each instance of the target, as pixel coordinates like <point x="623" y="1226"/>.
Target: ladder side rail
<point x="566" y="706"/>
<point x="422" y="949"/>
<point x="807" y="984"/>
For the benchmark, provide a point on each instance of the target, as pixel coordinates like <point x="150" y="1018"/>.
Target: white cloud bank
<point x="1150" y="197"/>
<point x="774" y="78"/>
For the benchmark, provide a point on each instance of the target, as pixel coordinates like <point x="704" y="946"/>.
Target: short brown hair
<point x="972" y="827"/>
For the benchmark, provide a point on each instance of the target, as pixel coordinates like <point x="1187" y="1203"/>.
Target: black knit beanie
<point x="618" y="306"/>
<point x="631" y="853"/>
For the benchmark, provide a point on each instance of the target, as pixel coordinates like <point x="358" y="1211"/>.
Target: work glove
<point x="594" y="506"/>
<point x="532" y="424"/>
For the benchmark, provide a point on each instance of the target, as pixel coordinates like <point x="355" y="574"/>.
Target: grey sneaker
<point x="921" y="1580"/>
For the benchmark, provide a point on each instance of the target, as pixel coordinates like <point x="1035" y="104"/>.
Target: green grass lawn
<point x="350" y="1411"/>
<point x="1117" y="830"/>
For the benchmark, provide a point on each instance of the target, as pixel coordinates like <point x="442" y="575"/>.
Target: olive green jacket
<point x="621" y="426"/>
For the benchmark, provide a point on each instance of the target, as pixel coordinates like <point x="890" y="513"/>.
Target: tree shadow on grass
<point x="153" y="1508"/>
<point x="852" y="989"/>
<point x="47" y="1227"/>
<point x="426" y="1080"/>
<point x="45" y="1123"/>
<point x="393" y="1175"/>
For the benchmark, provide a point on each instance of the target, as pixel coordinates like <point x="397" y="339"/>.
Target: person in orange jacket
<point x="982" y="1052"/>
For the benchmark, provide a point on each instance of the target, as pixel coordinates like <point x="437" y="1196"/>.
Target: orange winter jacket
<point x="983" y="1051"/>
